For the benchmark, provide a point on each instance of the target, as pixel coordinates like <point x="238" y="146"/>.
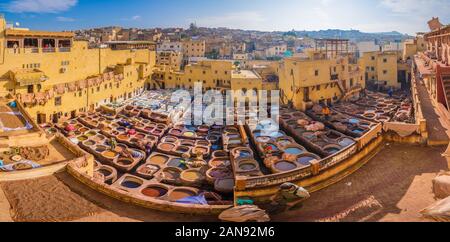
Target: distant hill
<point x="353" y="35"/>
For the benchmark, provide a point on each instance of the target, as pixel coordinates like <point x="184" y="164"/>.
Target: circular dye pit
<point x="171" y="173"/>
<point x="131" y="183"/>
<point x="285" y="166"/>
<point x="333" y="135"/>
<point x="166" y="146"/>
<point x="247" y="166"/>
<point x="306" y="159"/>
<point x="105" y="172"/>
<point x="158" y="159"/>
<point x="203" y="143"/>
<point x="177" y="162"/>
<point x="176" y="132"/>
<point x="187" y="143"/>
<point x="369" y="115"/>
<point x="294" y="151"/>
<point x="219" y="162"/>
<point x="224" y="185"/>
<point x="218" y="173"/>
<point x="344" y="142"/>
<point x="180" y="193"/>
<point x="122" y="137"/>
<point x="148" y="169"/>
<point x="359" y="131"/>
<point x="191" y="175"/>
<point x="154" y="191"/>
<point x="109" y="154"/>
<point x="182" y="149"/>
<point x="90" y="134"/>
<point x="89" y="143"/>
<point x="243" y="154"/>
<point x="332" y="149"/>
<point x="83" y="130"/>
<point x="100" y="149"/>
<point x="140" y="136"/>
<point x="201" y="150"/>
<point x="82" y="138"/>
<point x="189" y="134"/>
<point x="262" y="139"/>
<point x="125" y="162"/>
<point x="270" y="148"/>
<point x="284" y="142"/>
<point x="220" y="154"/>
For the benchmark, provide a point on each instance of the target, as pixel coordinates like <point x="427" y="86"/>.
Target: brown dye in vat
<point x="140" y="136"/>
<point x="154" y="191"/>
<point x="200" y="150"/>
<point x="191" y="175"/>
<point x="178" y="194"/>
<point x="167" y="146"/>
<point x="122" y="137"/>
<point x="109" y="154"/>
<point x="159" y="159"/>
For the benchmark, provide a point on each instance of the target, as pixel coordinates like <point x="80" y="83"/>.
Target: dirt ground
<point x="393" y="186"/>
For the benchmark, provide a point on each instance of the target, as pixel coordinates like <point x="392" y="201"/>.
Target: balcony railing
<point x="48" y="50"/>
<point x="64" y="49"/>
<point x="32" y="50"/>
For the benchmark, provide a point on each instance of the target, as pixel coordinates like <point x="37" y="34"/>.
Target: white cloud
<point x="415" y="6"/>
<point x="65" y="19"/>
<point x="132" y="18"/>
<point x="232" y="20"/>
<point x="39" y="6"/>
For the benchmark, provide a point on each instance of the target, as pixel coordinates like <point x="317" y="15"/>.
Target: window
<point x="317" y="73"/>
<point x="385" y="72"/>
<point x="385" y="60"/>
<point x="58" y="101"/>
<point x="373" y="57"/>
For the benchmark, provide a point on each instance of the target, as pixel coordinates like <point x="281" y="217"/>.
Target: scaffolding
<point x="333" y="48"/>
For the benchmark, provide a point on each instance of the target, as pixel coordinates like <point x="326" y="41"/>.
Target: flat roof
<point x="28" y="33"/>
<point x="244" y="74"/>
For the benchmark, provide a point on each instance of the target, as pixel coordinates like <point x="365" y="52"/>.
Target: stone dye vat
<point x="313" y="135"/>
<point x="343" y="123"/>
<point x="176" y="146"/>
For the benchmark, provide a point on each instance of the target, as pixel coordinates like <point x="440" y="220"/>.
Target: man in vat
<point x="113" y="143"/>
<point x="391" y="92"/>
<point x="326" y="112"/>
<point x="289" y="196"/>
<point x="148" y="148"/>
<point x="193" y="162"/>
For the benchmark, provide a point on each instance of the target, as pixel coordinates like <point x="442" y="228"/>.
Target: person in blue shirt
<point x="391" y="92"/>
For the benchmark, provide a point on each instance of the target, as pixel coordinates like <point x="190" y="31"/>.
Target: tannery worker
<point x="289" y="196"/>
<point x="326" y="112"/>
<point x="113" y="143"/>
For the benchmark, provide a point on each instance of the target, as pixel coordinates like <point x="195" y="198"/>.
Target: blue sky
<point x="406" y="16"/>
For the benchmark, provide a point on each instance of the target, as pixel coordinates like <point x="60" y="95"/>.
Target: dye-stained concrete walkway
<point x="394" y="186"/>
<point x="437" y="127"/>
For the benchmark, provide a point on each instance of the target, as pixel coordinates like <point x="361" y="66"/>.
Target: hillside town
<point x="103" y="116"/>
